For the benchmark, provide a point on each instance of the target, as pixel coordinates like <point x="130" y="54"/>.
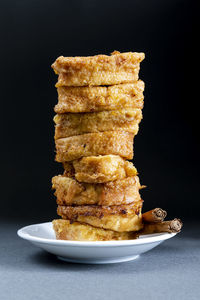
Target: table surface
<point x="170" y="271"/>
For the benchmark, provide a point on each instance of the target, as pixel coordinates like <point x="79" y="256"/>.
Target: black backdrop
<point x="35" y="32"/>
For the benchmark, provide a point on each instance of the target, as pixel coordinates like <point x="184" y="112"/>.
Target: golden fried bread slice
<point x="118" y="218"/>
<point x="93" y="144"/>
<point x="70" y="192"/>
<point x="99" y="169"/>
<point x="76" y="231"/>
<point x="98" y="70"/>
<point x="71" y="124"/>
<point x="100" y="98"/>
<point x="116" y="222"/>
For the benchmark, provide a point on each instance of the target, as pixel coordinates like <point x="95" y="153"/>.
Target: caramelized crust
<point x="100" y="98"/>
<point x="98" y="69"/>
<point x="84" y="232"/>
<point x="92" y="144"/>
<point x="99" y="169"/>
<point x="70" y="192"/>
<point x="99" y="211"/>
<point x="118" y="218"/>
<point x="71" y="124"/>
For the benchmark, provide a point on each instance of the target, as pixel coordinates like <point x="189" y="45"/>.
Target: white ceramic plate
<point x="42" y="235"/>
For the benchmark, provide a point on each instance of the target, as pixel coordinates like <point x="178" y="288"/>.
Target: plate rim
<point x="156" y="237"/>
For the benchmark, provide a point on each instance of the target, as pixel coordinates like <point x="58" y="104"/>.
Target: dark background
<point x="34" y="33"/>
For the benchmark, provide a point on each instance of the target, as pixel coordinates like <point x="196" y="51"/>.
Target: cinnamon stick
<point x="172" y="226"/>
<point x="154" y="215"/>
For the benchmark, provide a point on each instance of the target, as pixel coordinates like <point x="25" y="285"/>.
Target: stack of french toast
<point x="100" y="101"/>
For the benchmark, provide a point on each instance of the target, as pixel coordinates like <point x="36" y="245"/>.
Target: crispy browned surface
<point x="92" y="144"/>
<point x="71" y="124"/>
<point x="100" y="98"/>
<point x="99" y="211"/>
<point x="71" y="192"/>
<point x="99" y="169"/>
<point x="69" y="170"/>
<point x="118" y="218"/>
<point x="84" y="232"/>
<point x="98" y="69"/>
